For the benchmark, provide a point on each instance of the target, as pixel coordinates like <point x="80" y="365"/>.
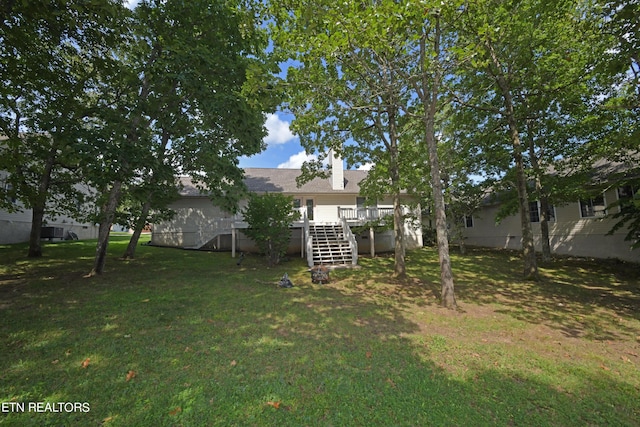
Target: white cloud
<point x="278" y="131"/>
<point x="131" y="4"/>
<point x="296" y="160"/>
<point x="365" y="167"/>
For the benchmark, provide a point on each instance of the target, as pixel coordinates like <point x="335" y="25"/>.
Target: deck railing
<point x="352" y="241"/>
<point x="308" y="240"/>
<point x="363" y="214"/>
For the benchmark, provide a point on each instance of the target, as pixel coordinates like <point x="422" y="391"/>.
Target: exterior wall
<point x="569" y="234"/>
<point x="15" y="227"/>
<point x="413" y="236"/>
<point x="326" y="206"/>
<point x="245" y="244"/>
<point x="383" y="242"/>
<point x="196" y="219"/>
<point x="199" y="222"/>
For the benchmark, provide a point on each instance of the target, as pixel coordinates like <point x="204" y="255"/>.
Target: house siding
<point x="198" y="222"/>
<point x="15" y="227"/>
<point x="569" y="234"/>
<point x="326" y="206"/>
<point x="196" y="219"/>
<point x="17" y="230"/>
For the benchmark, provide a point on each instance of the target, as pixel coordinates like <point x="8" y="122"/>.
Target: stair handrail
<point x="348" y="235"/>
<point x="217" y="227"/>
<point x="308" y="240"/>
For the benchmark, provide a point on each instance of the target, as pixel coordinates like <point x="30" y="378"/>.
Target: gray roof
<point x="272" y="180"/>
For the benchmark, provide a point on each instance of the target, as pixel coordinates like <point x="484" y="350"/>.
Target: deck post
<point x="372" y="242"/>
<point x="233" y="240"/>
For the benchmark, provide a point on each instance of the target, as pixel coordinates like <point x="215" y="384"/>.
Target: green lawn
<point x="190" y="338"/>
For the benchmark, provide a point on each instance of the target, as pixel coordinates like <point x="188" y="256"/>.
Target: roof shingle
<point x="272" y="180"/>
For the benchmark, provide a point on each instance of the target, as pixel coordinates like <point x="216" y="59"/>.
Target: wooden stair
<point x="330" y="247"/>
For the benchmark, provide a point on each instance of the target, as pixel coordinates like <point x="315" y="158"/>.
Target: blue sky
<point x="283" y="147"/>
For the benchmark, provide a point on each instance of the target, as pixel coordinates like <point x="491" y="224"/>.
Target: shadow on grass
<point x="582" y="298"/>
<point x="213" y="343"/>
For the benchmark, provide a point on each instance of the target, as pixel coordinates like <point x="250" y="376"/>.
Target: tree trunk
<point x="528" y="248"/>
<point x="442" y="237"/>
<point x="460" y="234"/>
<point x="544" y="228"/>
<point x="146" y="207"/>
<point x="38" y="207"/>
<point x="130" y="252"/>
<point x="544" y="201"/>
<point x="400" y="268"/>
<point x="35" y="245"/>
<point x="429" y="94"/>
<point x="108" y="214"/>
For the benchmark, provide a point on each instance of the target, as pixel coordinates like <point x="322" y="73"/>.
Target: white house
<point x="15" y="227"/>
<point x="330" y="209"/>
<point x="579" y="228"/>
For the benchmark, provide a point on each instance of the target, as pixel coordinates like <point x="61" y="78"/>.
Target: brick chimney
<point x="337" y="172"/>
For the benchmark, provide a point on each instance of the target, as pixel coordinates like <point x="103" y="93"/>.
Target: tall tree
<point x="526" y="79"/>
<point x="347" y="94"/>
<point x="50" y="53"/>
<point x="363" y="93"/>
<point x="182" y="92"/>
<point x="427" y="79"/>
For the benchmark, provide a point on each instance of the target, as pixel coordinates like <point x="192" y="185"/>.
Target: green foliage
<point x="628" y="215"/>
<point x="131" y="211"/>
<point x="269" y="216"/>
<point x="51" y="57"/>
<point x="363" y="93"/>
<point x="379" y="225"/>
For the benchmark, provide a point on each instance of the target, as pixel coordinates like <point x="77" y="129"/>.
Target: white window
<point x="625" y="193"/>
<point x="8" y="190"/>
<point x="594" y="207"/>
<point x="535" y="212"/>
<point x="625" y="196"/>
<point x="467" y="220"/>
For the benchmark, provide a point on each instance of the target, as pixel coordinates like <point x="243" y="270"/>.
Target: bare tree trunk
<point x="528" y="248"/>
<point x="544" y="228"/>
<point x="130" y="252"/>
<point x="442" y="238"/>
<point x="459" y="233"/>
<point x="39" y="206"/>
<point x="544" y="201"/>
<point x="35" y="246"/>
<point x="400" y="269"/>
<point x="428" y="90"/>
<point x="108" y="214"/>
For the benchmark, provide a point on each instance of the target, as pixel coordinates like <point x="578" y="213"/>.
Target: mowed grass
<point x="186" y="338"/>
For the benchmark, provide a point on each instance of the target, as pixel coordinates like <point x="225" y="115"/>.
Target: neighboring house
<point x="15" y="227"/>
<point x="579" y="228"/>
<point x="329" y="209"/>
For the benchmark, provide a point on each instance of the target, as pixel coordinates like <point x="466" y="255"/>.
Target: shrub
<point x="269" y="217"/>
